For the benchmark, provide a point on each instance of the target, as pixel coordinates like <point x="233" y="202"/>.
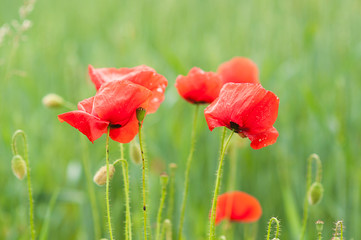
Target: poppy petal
<point x="86" y="105"/>
<point x="239" y="70"/>
<point x="233" y="104"/>
<point x="142" y="75"/>
<point x="126" y="133"/>
<point x="199" y="86"/>
<point x="116" y="101"/>
<point x="238" y="206"/>
<point x="263" y="139"/>
<point x="89" y="125"/>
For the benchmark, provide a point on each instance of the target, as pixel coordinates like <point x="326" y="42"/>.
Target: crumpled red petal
<point x="86" y="105"/>
<point x="125" y="133"/>
<point x="89" y="125"/>
<point x="142" y="75"/>
<point x="237" y="206"/>
<point x="250" y="106"/>
<point x="116" y="101"/>
<point x="263" y="139"/>
<point x="198" y="86"/>
<point x="239" y="70"/>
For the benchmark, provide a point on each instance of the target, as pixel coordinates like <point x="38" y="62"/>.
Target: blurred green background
<point x="308" y="53"/>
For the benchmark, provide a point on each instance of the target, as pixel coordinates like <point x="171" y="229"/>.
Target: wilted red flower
<point x="198" y="86"/>
<point x="142" y="75"/>
<point x="248" y="109"/>
<point x="114" y="105"/>
<point x="237" y="206"/>
<point x="239" y="70"/>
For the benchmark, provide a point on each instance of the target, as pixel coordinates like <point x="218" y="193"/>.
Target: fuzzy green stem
<point x="186" y="177"/>
<point x="212" y="234"/>
<point x="90" y="187"/>
<point x="273" y="219"/>
<point x="161" y="205"/>
<point x="170" y="205"/>
<point x="144" y="179"/>
<point x="128" y="222"/>
<point x="166" y="230"/>
<point x="107" y="185"/>
<point x="339" y="229"/>
<point x="26" y="157"/>
<point x="70" y="106"/>
<point x="308" y="185"/>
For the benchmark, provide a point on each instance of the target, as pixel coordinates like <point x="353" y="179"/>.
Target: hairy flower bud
<point x="53" y="100"/>
<point x="134" y="152"/>
<point x="18" y="166"/>
<point x="164" y="179"/>
<point x="140" y="114"/>
<point x="315" y="193"/>
<point x="100" y="178"/>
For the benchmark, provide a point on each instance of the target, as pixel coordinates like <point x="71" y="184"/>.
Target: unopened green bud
<point x="140" y="114"/>
<point x="164" y="179"/>
<point x="275" y="239"/>
<point x="315" y="193"/>
<point x="134" y="152"/>
<point x="319" y="226"/>
<point x="100" y="178"/>
<point x="335" y="238"/>
<point x="222" y="237"/>
<point x="53" y="100"/>
<point x="18" y="166"/>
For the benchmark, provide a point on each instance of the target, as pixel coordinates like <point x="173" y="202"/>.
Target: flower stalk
<point x="164" y="182"/>
<point x="311" y="158"/>
<point x="30" y="193"/>
<point x="107" y="185"/>
<point x="186" y="177"/>
<point x="273" y="219"/>
<point x="144" y="179"/>
<point x="212" y="234"/>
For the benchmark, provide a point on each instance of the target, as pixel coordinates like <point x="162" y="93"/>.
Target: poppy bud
<point x="335" y="238"/>
<point x="100" y="178"/>
<point x="52" y="100"/>
<point x="140" y="113"/>
<point x="319" y="226"/>
<point x="164" y="179"/>
<point x="18" y="166"/>
<point x="315" y="193"/>
<point x="134" y="152"/>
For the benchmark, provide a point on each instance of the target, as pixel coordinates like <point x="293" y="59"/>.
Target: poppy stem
<point x="145" y="180"/>
<point x="188" y="166"/>
<point x="308" y="185"/>
<point x="164" y="182"/>
<point x="128" y="222"/>
<point x="30" y="193"/>
<point x="90" y="188"/>
<point x="107" y="185"/>
<point x="212" y="234"/>
<point x="273" y="219"/>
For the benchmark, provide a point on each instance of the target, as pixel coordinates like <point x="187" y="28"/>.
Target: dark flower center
<point x="115" y="126"/>
<point x="235" y="127"/>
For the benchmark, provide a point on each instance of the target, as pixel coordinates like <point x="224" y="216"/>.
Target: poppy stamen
<point x="113" y="126"/>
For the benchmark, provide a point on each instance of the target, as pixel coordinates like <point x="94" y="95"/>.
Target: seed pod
<point x="134" y="152"/>
<point x="52" y="100"/>
<point x="18" y="166"/>
<point x="100" y="178"/>
<point x="164" y="179"/>
<point x="140" y="113"/>
<point x="315" y="193"/>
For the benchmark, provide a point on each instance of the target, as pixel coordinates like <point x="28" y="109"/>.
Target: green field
<point x="308" y="53"/>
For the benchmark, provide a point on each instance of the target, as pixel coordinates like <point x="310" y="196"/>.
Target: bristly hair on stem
<point x="212" y="234"/>
<point x="144" y="180"/>
<point x="273" y="219"/>
<point x="107" y="185"/>
<point x="30" y="193"/>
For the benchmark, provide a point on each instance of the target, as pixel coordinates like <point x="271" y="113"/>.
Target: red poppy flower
<point x="142" y="75"/>
<point x="239" y="70"/>
<point x="248" y="109"/>
<point x="114" y="105"/>
<point x="237" y="206"/>
<point x="198" y="86"/>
